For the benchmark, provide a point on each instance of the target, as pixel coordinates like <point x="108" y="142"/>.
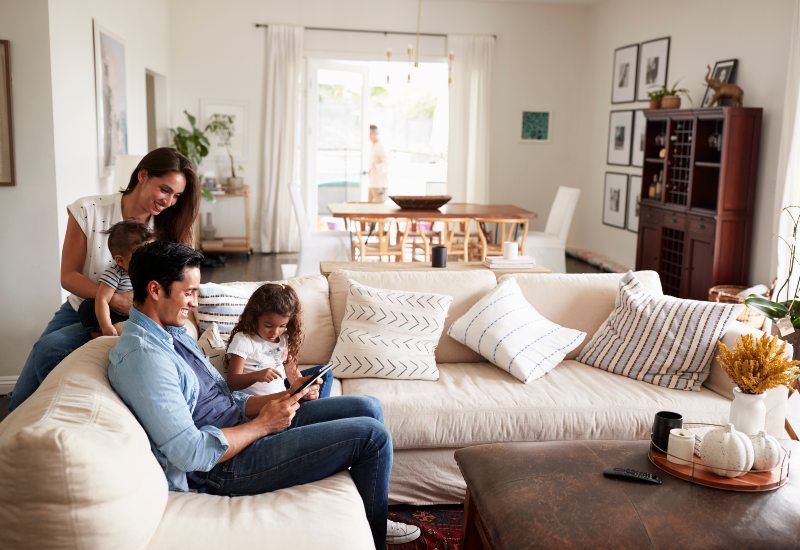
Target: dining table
<point x="348" y="210"/>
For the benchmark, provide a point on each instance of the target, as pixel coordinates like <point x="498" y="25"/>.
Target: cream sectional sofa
<point x="76" y="469"/>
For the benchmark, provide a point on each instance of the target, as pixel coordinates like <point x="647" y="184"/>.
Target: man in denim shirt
<point x="230" y="443"/>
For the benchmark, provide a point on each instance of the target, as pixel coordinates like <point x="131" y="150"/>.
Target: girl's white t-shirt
<point x="95" y="215"/>
<point x="260" y="354"/>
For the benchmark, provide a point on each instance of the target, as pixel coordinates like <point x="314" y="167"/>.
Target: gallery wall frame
<point x="620" y="126"/>
<point x="725" y="72"/>
<point x="637" y="136"/>
<point x="624" y="74"/>
<point x="111" y="97"/>
<point x="238" y="109"/>
<point x="7" y="172"/>
<point x="653" y="66"/>
<point x="615" y="199"/>
<point x="536" y="126"/>
<point x="634" y="196"/>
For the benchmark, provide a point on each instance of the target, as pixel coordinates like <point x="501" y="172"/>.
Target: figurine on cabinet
<point x="723" y="90"/>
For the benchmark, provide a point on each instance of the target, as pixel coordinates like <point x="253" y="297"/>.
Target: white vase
<point x="748" y="411"/>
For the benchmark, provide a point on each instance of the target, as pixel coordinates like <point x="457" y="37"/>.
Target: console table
<point x="554" y="495"/>
<point x="326" y="268"/>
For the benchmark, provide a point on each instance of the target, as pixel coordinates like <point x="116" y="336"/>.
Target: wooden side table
<point x="233" y="243"/>
<point x="326" y="268"/>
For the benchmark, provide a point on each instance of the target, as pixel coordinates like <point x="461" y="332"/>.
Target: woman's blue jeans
<point x="63" y="335"/>
<point x="326" y="436"/>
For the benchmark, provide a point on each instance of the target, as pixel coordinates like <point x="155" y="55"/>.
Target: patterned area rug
<point x="440" y="525"/>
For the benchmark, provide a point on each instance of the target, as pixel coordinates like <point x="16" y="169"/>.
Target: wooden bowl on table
<point x="420" y="202"/>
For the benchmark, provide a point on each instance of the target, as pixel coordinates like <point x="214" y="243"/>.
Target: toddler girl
<point x="264" y="344"/>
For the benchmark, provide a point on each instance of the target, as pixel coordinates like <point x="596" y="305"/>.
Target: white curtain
<point x="789" y="159"/>
<point x="468" y="152"/>
<point x="284" y="62"/>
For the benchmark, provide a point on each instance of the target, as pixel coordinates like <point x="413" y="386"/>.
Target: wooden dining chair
<point x="379" y="238"/>
<point x="493" y="232"/>
<point x="459" y="235"/>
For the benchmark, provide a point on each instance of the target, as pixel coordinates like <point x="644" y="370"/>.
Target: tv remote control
<point x="632" y="475"/>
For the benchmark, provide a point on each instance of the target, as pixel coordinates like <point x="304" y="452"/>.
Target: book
<point x="500" y="261"/>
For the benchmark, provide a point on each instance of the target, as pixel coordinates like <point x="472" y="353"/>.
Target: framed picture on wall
<point x="620" y="126"/>
<point x="637" y="147"/>
<point x="653" y="64"/>
<point x="623" y="77"/>
<point x="615" y="196"/>
<point x="111" y="98"/>
<point x="725" y="72"/>
<point x="634" y="194"/>
<point x="6" y="126"/>
<point x="535" y="126"/>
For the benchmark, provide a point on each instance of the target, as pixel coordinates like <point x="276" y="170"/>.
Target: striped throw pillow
<point x="221" y="304"/>
<point x="509" y="332"/>
<point x="661" y="340"/>
<point x="389" y="334"/>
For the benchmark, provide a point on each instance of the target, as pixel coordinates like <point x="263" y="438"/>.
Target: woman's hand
<point x="121" y="302"/>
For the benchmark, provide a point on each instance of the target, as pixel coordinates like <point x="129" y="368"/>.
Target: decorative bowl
<point x="421" y="202"/>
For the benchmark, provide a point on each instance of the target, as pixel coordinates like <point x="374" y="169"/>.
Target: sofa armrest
<point x="719" y="382"/>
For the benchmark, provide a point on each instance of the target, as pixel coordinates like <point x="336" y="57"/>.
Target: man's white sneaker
<point x="400" y="533"/>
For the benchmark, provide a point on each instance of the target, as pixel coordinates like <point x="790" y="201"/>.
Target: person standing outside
<point x="378" y="168"/>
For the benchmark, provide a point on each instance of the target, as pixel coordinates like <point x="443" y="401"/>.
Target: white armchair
<point x="316" y="246"/>
<point x="549" y="247"/>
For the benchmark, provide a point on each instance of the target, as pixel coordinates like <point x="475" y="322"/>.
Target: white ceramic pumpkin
<point x="727" y="452"/>
<point x="766" y="451"/>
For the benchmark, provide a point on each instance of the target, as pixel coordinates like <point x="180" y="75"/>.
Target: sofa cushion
<point x="658" y="339"/>
<point x="512" y="335"/>
<point x="580" y="301"/>
<point x="389" y="334"/>
<point x="280" y="519"/>
<point x="466" y="288"/>
<point x="225" y="303"/>
<point x="212" y="344"/>
<point x="76" y="470"/>
<point x="475" y="403"/>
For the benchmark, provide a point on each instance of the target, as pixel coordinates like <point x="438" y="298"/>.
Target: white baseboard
<point x="7" y="384"/>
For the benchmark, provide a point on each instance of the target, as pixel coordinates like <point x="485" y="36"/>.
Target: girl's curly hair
<point x="273" y="298"/>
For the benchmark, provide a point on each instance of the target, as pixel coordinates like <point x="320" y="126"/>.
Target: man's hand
<point x="277" y="415"/>
<point x="121" y="302"/>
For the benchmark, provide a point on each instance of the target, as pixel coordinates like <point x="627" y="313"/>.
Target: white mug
<point x="680" y="448"/>
<point x="510" y="250"/>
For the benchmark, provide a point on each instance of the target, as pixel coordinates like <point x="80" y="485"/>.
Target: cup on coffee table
<point x="663" y="422"/>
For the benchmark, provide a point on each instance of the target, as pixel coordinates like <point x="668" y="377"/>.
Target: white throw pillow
<point x="212" y="344"/>
<point x="221" y="305"/>
<point x="505" y="329"/>
<point x="389" y="334"/>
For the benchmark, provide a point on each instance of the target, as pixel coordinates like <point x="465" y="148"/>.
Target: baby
<point x="123" y="240"/>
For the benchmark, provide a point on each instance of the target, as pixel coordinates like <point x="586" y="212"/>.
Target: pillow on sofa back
<point x="224" y="303"/>
<point x="389" y="334"/>
<point x="466" y="288"/>
<point x="76" y="470"/>
<point x="512" y="335"/>
<point x="661" y="340"/>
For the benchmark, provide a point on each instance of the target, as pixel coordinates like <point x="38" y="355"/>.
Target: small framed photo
<point x="623" y="78"/>
<point x="634" y="194"/>
<point x="725" y="72"/>
<point x="236" y="109"/>
<point x="111" y="98"/>
<point x="637" y="147"/>
<point x="535" y="126"/>
<point x="620" y="127"/>
<point x="6" y="124"/>
<point x="615" y="195"/>
<point x="653" y="64"/>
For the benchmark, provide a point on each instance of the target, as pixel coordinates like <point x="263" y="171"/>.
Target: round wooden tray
<point x="697" y="472"/>
<point x="420" y="202"/>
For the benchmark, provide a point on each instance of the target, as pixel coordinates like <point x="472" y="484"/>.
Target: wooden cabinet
<point x="697" y="197"/>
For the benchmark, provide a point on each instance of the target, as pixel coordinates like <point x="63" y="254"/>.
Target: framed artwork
<point x="535" y="126"/>
<point x="620" y="126"/>
<point x="615" y="203"/>
<point x="725" y="72"/>
<point x="637" y="147"/>
<point x="238" y="110"/>
<point x="111" y="98"/>
<point x="623" y="78"/>
<point x="634" y="194"/>
<point x="6" y="127"/>
<point x="653" y="64"/>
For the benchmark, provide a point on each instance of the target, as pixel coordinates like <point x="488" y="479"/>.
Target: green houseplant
<point x="193" y="143"/>
<point x="671" y="99"/>
<point x="223" y="126"/>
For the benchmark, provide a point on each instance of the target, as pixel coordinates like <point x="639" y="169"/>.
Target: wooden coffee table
<point x="554" y="495"/>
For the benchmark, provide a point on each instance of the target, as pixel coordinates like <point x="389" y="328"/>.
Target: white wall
<point x="755" y="33"/>
<point x="539" y="60"/>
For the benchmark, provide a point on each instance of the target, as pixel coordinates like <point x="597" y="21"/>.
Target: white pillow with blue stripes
<point x="505" y="329"/>
<point x="221" y="304"/>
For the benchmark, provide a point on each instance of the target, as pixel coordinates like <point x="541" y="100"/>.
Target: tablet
<point x="313" y="379"/>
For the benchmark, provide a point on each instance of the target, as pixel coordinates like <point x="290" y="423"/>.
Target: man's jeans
<point x="326" y="436"/>
<point x="63" y="335"/>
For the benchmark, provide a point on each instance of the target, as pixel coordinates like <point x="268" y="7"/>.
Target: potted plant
<point x="670" y="98"/>
<point x="193" y="144"/>
<point x="655" y="98"/>
<point x="224" y="127"/>
<point x="786" y="304"/>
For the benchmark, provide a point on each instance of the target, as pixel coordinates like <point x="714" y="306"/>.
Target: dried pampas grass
<point x="758" y="365"/>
